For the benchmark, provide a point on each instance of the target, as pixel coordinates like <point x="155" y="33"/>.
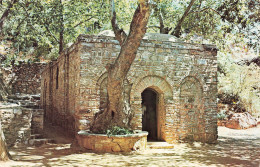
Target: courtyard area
<point x="234" y="148"/>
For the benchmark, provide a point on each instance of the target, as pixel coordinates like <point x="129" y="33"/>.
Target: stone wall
<point x="183" y="75"/>
<point x="59" y="89"/>
<point x="20" y="79"/>
<point x="26" y="78"/>
<point x="17" y="123"/>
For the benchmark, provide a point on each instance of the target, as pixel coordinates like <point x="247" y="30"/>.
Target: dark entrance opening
<point x="149" y="113"/>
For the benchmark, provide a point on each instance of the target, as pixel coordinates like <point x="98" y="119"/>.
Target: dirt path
<point x="234" y="148"/>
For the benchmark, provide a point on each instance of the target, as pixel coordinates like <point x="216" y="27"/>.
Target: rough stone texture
<point x="223" y="108"/>
<point x="26" y="78"/>
<point x="20" y="79"/>
<point x="37" y="120"/>
<point x="17" y="123"/>
<point x="115" y="143"/>
<point x="60" y="90"/>
<point x="236" y="121"/>
<point x="25" y="100"/>
<point x="241" y="121"/>
<point x="222" y="122"/>
<point x="183" y="75"/>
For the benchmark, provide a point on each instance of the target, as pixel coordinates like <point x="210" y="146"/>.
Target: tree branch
<point x="118" y="71"/>
<point x="161" y="21"/>
<point x="52" y="35"/>
<point x="45" y="25"/>
<point x="119" y="33"/>
<point x="83" y="22"/>
<point x="163" y="29"/>
<point x="177" y="30"/>
<point x="202" y="10"/>
<point x="6" y="13"/>
<point x="28" y="15"/>
<point x="133" y="40"/>
<point x="66" y="17"/>
<point x="61" y="33"/>
<point x="154" y="27"/>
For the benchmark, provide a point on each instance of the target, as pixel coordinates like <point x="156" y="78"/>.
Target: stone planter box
<point x="113" y="143"/>
<point x="222" y="122"/>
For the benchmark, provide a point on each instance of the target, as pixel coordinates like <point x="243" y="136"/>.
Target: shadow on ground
<point x="234" y="148"/>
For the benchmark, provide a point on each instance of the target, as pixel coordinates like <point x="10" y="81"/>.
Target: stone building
<point x="171" y="87"/>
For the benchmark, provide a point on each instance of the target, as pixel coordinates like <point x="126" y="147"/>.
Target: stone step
<point x="39" y="142"/>
<point x="159" y="145"/>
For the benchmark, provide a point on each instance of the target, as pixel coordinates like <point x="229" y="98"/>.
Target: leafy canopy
<point x="37" y="27"/>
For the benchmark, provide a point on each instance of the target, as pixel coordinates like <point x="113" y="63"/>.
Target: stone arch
<point x="164" y="94"/>
<point x="198" y="78"/>
<point x="157" y="83"/>
<point x="191" y="105"/>
<point x="191" y="82"/>
<point x="101" y="88"/>
<point x="100" y="79"/>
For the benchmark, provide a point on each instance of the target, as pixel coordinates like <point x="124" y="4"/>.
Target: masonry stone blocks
<point x="183" y="75"/>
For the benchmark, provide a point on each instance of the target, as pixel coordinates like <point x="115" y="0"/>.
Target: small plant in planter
<point x="222" y="115"/>
<point x="118" y="131"/>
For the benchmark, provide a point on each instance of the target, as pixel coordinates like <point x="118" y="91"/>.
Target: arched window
<point x="191" y="108"/>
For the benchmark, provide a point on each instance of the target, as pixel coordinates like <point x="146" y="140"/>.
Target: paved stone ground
<point x="235" y="148"/>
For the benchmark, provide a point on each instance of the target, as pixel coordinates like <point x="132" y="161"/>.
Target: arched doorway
<point x="149" y="113"/>
<point x="164" y="105"/>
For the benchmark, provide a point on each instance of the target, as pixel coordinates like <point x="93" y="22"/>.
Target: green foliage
<point x="37" y="24"/>
<point x="228" y="98"/>
<point x="239" y="84"/>
<point x="214" y="20"/>
<point x="118" y="131"/>
<point x="222" y="115"/>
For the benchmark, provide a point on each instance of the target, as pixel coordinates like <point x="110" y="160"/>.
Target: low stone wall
<point x="37" y="120"/>
<point x="25" y="100"/>
<point x="114" y="143"/>
<point x="23" y="78"/>
<point x="27" y="78"/>
<point x="17" y="123"/>
<point x="222" y="122"/>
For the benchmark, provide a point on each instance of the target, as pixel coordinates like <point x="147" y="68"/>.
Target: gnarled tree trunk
<point x="4" y="155"/>
<point x="118" y="111"/>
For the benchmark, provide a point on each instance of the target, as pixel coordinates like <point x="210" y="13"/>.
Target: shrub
<point x="238" y="84"/>
<point x="118" y="131"/>
<point x="222" y="115"/>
